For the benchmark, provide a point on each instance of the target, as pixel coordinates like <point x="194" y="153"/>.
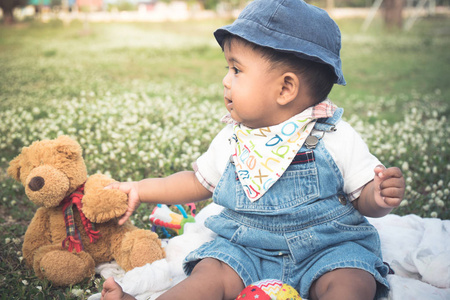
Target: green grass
<point x="144" y="100"/>
<point x="397" y="61"/>
<point x="55" y="61"/>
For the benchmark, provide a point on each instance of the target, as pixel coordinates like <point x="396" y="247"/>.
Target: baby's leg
<point x="348" y="284"/>
<point x="113" y="291"/>
<point x="211" y="279"/>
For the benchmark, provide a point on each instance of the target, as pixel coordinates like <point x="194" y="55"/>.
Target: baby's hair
<point x="319" y="77"/>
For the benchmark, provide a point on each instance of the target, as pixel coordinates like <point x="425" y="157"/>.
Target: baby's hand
<point x="130" y="188"/>
<point x="389" y="186"/>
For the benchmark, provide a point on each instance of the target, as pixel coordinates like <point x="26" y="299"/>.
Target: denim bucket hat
<point x="291" y="26"/>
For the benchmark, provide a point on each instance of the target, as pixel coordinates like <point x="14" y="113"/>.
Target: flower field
<point x="145" y="100"/>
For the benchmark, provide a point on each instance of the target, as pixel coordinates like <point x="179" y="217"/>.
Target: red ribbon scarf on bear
<point x="73" y="238"/>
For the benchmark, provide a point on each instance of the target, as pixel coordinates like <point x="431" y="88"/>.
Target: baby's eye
<point x="235" y="70"/>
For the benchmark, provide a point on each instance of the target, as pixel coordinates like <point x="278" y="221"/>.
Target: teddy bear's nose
<point x="36" y="183"/>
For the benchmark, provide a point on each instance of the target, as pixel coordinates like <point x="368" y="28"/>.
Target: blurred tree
<point x="393" y="10"/>
<point x="212" y="4"/>
<point x="330" y="5"/>
<point x="55" y="3"/>
<point x="8" y="7"/>
<point x="125" y="5"/>
<point x="209" y="4"/>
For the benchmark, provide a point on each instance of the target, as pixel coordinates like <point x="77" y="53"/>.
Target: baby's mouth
<point x="228" y="102"/>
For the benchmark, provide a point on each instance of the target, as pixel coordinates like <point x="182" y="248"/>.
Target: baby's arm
<point x="382" y="194"/>
<point x="179" y="188"/>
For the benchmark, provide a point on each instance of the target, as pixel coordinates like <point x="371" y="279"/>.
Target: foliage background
<point x="145" y="99"/>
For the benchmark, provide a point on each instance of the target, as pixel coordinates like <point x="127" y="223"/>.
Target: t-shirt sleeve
<point x="352" y="157"/>
<point x="210" y="166"/>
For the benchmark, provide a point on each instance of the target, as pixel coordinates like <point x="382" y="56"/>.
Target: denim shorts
<point x="301" y="257"/>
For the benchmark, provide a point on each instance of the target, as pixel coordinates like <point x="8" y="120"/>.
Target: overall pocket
<point x="302" y="245"/>
<point x="348" y="228"/>
<point x="299" y="184"/>
<point x="355" y="227"/>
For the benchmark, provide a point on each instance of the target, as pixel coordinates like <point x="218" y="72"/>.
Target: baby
<point x="295" y="180"/>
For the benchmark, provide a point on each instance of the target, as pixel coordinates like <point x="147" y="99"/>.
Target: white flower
<point x="404" y="203"/>
<point x="39" y="287"/>
<point x="77" y="292"/>
<point x="405" y="166"/>
<point x="7" y="240"/>
<point x="25" y="282"/>
<point x="36" y="110"/>
<point x="434" y="214"/>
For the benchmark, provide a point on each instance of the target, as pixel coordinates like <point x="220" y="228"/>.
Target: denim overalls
<point x="303" y="226"/>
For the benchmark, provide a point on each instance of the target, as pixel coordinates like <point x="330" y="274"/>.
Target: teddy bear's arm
<point x="100" y="205"/>
<point x="38" y="234"/>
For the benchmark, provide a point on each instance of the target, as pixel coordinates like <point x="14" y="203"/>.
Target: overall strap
<point x="321" y="127"/>
<point x="329" y="124"/>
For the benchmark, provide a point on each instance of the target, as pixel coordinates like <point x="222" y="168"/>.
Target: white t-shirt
<point x="345" y="145"/>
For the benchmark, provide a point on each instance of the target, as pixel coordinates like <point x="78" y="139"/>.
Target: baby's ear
<point x="14" y="168"/>
<point x="290" y="86"/>
<point x="67" y="147"/>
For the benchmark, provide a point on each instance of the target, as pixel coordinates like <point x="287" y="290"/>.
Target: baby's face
<point x="251" y="87"/>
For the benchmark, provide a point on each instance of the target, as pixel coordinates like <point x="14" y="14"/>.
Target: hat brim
<point x="262" y="36"/>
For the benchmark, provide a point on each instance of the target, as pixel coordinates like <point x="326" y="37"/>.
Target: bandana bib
<point x="262" y="155"/>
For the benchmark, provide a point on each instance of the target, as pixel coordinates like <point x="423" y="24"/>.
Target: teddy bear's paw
<point x="104" y="205"/>
<point x="106" y="216"/>
<point x="139" y="247"/>
<point x="63" y="268"/>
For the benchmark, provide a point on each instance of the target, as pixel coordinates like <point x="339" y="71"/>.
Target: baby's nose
<point x="226" y="81"/>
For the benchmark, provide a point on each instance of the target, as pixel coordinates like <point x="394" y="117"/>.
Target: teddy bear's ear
<point x="14" y="168"/>
<point x="67" y="147"/>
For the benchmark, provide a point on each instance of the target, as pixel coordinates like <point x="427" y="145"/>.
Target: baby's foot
<point x="113" y="291"/>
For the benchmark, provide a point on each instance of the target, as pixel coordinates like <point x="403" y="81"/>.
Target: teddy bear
<point x="76" y="226"/>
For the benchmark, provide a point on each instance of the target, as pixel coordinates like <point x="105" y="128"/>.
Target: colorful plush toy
<point x="163" y="217"/>
<point x="269" y="289"/>
<point x="76" y="226"/>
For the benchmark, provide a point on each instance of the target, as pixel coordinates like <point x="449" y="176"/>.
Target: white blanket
<point x="417" y="249"/>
